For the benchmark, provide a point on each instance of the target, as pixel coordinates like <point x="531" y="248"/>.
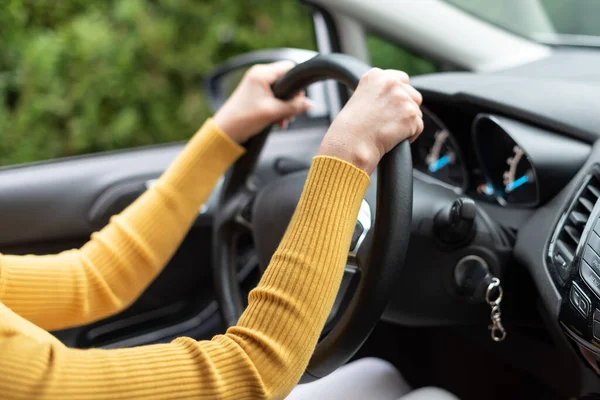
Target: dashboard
<point x="524" y="144"/>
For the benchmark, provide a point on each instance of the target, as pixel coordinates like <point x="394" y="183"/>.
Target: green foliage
<point x="80" y="76"/>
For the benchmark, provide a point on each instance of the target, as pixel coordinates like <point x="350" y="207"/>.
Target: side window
<point x="386" y="54"/>
<point x="89" y="76"/>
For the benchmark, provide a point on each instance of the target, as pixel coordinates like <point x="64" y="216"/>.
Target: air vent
<point x="570" y="232"/>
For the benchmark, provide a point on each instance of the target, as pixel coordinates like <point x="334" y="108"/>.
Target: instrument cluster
<point x="503" y="173"/>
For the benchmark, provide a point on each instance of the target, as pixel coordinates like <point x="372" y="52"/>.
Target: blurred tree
<point x="80" y="76"/>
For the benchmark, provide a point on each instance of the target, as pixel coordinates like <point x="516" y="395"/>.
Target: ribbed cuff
<point x="209" y="124"/>
<point x="349" y="169"/>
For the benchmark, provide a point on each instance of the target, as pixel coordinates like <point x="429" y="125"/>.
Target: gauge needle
<point x="439" y="163"/>
<point x="516" y="183"/>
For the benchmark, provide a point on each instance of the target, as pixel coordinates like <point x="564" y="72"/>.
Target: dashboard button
<point x="596" y="324"/>
<point x="579" y="300"/>
<point x="590" y="257"/>
<point x="590" y="277"/>
<point x="596" y="330"/>
<point x="594" y="242"/>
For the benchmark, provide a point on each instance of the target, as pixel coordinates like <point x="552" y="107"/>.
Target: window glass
<point x="386" y="54"/>
<point x="80" y="76"/>
<point x="573" y="22"/>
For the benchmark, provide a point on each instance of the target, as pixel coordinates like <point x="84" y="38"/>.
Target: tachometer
<point x="437" y="154"/>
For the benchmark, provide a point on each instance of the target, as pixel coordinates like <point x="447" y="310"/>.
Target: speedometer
<point x="505" y="163"/>
<point x="524" y="165"/>
<point x="518" y="179"/>
<point x="437" y="153"/>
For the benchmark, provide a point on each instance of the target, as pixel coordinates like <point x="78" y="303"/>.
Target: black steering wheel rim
<point x="382" y="253"/>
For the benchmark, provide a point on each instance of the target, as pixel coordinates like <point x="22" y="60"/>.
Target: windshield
<point x="563" y="22"/>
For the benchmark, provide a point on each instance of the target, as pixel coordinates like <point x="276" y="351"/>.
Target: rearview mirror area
<point x="225" y="78"/>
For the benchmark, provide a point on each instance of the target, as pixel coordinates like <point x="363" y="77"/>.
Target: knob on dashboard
<point x="453" y="225"/>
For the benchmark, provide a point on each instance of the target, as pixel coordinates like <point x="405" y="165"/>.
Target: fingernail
<point x="309" y="104"/>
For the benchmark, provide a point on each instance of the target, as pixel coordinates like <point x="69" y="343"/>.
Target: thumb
<point x="290" y="108"/>
<point x="269" y="73"/>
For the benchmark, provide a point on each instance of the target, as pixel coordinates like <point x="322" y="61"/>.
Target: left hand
<point x="252" y="106"/>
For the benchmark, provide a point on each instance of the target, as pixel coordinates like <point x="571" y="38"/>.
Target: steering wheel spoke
<point x="347" y="289"/>
<point x="237" y="205"/>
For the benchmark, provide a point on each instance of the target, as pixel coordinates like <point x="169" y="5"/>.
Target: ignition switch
<point x="472" y="277"/>
<point x="475" y="281"/>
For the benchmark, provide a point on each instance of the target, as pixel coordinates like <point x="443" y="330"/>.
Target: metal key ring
<point x="495" y="283"/>
<point x="498" y="333"/>
<point x="496" y="313"/>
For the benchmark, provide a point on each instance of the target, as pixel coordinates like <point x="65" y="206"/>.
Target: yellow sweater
<point x="262" y="357"/>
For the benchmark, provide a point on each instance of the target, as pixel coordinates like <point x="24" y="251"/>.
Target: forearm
<point x="288" y="309"/>
<point x="184" y="368"/>
<point x="118" y="263"/>
<point x="262" y="357"/>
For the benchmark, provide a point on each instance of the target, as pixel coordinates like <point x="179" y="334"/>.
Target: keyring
<point x="495" y="283"/>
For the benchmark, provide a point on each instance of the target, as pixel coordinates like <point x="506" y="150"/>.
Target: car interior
<point x="477" y="271"/>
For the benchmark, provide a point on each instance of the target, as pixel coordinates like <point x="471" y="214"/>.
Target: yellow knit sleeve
<point x="262" y="357"/>
<point x="111" y="270"/>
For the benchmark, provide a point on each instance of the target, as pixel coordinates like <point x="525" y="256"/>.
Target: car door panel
<point x="52" y="206"/>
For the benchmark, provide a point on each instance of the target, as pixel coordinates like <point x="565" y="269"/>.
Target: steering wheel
<point x="379" y="258"/>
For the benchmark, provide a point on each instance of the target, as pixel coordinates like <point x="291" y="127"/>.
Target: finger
<point x="400" y="76"/>
<point x="418" y="130"/>
<point x="290" y="108"/>
<point x="272" y="72"/>
<point x="414" y="94"/>
<point x="300" y="94"/>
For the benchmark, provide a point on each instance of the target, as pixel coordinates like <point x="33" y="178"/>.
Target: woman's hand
<point x="252" y="106"/>
<point x="382" y="112"/>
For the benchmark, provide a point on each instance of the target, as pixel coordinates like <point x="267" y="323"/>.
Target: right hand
<point x="383" y="111"/>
